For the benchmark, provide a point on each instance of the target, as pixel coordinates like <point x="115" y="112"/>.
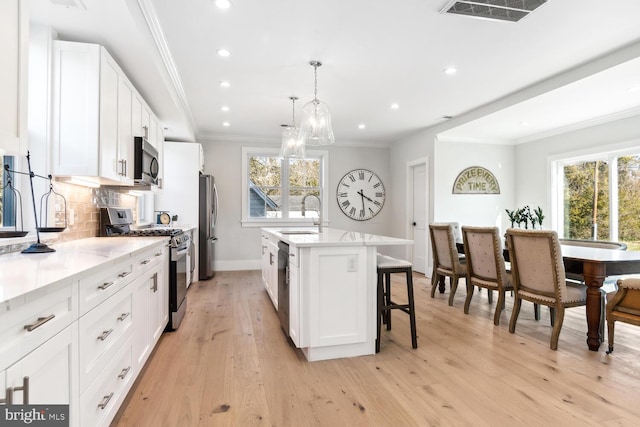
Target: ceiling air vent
<point x="501" y="10"/>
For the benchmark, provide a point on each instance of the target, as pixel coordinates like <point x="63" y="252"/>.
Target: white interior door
<point x="419" y="217"/>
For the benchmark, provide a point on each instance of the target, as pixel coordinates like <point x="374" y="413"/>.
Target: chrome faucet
<point x="319" y="211"/>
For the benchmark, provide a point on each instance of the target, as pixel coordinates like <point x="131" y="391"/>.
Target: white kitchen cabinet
<point x="296" y="328"/>
<point x="151" y="305"/>
<point x="47" y="372"/>
<point x="92" y="132"/>
<point x="38" y="347"/>
<point x="342" y="271"/>
<point x="14" y="26"/>
<point x="100" y="402"/>
<point x="102" y="331"/>
<point x="28" y="323"/>
<point x="270" y="268"/>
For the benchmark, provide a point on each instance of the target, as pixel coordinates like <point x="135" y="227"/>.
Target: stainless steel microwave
<point x="145" y="159"/>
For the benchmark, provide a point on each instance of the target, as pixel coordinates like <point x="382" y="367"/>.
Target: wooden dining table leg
<point x="594" y="274"/>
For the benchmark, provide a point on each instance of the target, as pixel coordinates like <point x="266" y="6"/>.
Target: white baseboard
<point x="237" y="265"/>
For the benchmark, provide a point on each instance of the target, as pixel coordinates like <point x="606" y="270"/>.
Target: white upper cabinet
<point x="13" y="77"/>
<point x="96" y="114"/>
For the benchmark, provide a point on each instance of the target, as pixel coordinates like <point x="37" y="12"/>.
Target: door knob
<point x="414" y="223"/>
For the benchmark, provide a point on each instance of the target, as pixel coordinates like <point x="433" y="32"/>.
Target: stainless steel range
<point x="117" y="222"/>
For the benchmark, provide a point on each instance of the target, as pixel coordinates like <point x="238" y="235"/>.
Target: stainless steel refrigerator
<point x="208" y="215"/>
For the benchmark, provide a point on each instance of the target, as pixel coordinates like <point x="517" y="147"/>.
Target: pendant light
<point x="315" y="125"/>
<point x="292" y="145"/>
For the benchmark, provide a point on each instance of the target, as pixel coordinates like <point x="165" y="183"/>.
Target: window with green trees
<point x="7" y="202"/>
<point x="601" y="199"/>
<point x="276" y="186"/>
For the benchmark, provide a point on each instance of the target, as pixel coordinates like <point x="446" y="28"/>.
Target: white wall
<point x="238" y="248"/>
<point x="473" y="209"/>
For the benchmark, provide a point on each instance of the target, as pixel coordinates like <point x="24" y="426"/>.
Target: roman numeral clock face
<point x="360" y="194"/>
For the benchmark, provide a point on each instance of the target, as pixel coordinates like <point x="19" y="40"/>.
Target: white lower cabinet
<point x="151" y="312"/>
<point x="102" y="331"/>
<point x="270" y="268"/>
<point x="296" y="330"/>
<point x="100" y="402"/>
<point x="47" y="375"/>
<point x="118" y="335"/>
<point x="83" y="342"/>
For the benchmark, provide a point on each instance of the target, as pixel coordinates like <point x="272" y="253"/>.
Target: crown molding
<point x="153" y="23"/>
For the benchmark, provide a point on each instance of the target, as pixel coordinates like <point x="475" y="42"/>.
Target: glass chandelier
<point x="315" y="125"/>
<point x="292" y="145"/>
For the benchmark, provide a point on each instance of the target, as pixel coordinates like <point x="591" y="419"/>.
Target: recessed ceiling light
<point x="225" y="83"/>
<point x="223" y="52"/>
<point x="226" y="124"/>
<point x="450" y="70"/>
<point x="223" y="4"/>
<point x="224" y="108"/>
<point x="362" y="126"/>
<point x="395" y="106"/>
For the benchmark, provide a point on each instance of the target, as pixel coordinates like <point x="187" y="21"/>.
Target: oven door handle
<point x="181" y="251"/>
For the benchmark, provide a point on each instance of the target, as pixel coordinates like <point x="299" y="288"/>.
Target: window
<point x="274" y="188"/>
<point x="600" y="198"/>
<point x="7" y="196"/>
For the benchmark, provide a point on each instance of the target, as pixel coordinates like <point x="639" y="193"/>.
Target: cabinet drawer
<point x="30" y="322"/>
<point x="101" y="333"/>
<point x="150" y="258"/>
<point x="101" y="401"/>
<point x="101" y="285"/>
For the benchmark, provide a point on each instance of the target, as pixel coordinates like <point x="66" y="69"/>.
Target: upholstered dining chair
<point x="446" y="262"/>
<point x="485" y="265"/>
<point x="538" y="276"/>
<point x="623" y="306"/>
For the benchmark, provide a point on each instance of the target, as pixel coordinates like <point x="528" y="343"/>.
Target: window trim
<point x="246" y="221"/>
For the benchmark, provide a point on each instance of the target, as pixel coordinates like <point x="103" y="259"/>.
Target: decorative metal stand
<point x="39" y="247"/>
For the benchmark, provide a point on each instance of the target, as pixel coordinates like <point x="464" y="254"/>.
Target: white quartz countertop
<point x="21" y="273"/>
<point x="308" y="237"/>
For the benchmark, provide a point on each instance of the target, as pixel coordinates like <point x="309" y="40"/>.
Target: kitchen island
<point x="327" y="283"/>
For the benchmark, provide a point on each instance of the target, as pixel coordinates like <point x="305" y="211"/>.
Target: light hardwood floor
<point x="229" y="364"/>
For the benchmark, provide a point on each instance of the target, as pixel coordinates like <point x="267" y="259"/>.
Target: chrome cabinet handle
<point x="154" y="288"/>
<point x="105" y="334"/>
<point x="41" y="321"/>
<point x="105" y="401"/>
<point x="8" y="397"/>
<point x="105" y="286"/>
<point x="123" y="316"/>
<point x="123" y="167"/>
<point x="25" y="390"/>
<point x="146" y="261"/>
<point x="124" y="372"/>
<point x="124" y="274"/>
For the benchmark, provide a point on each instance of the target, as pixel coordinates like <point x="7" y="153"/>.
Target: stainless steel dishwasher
<point x="283" y="286"/>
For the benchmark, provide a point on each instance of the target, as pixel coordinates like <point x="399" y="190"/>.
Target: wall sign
<point x="476" y="180"/>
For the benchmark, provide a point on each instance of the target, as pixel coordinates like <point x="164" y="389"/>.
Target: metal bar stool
<point x="386" y="266"/>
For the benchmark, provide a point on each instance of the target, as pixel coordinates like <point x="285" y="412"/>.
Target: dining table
<point x="595" y="265"/>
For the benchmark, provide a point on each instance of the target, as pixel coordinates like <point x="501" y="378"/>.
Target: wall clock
<point x="360" y="194"/>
